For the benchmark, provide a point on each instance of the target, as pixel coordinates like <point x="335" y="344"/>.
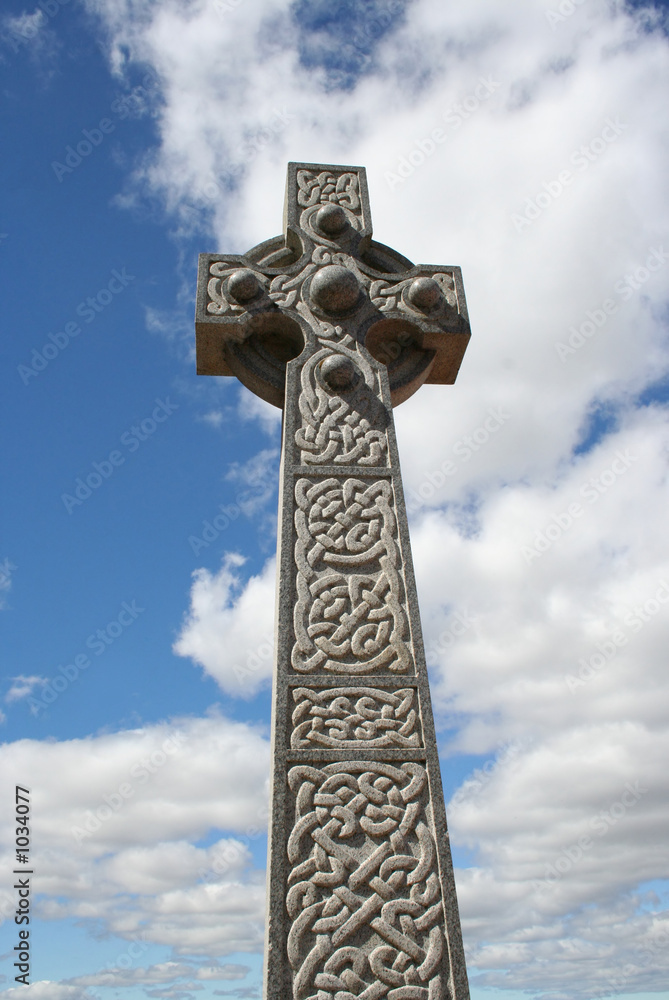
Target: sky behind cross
<point x="525" y="143"/>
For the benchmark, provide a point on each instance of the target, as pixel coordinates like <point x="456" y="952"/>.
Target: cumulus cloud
<point x="230" y="626"/>
<point x="125" y="813"/>
<point x="553" y="637"/>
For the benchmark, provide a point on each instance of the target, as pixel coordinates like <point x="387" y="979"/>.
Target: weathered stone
<point x="331" y="219"/>
<point x="334" y="289"/>
<point x="336" y="328"/>
<point x="243" y="285"/>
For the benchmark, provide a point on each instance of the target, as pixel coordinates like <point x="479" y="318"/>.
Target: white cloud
<point x="252" y="407"/>
<point x="213" y="417"/>
<point x="256" y="469"/>
<point x="145" y="786"/>
<point x="570" y="583"/>
<point x="23" y="686"/>
<point x="230" y="627"/>
<point x="551" y="828"/>
<point x="228" y="971"/>
<point x="258" y="478"/>
<point x="46" y="990"/>
<point x="164" y="972"/>
<point x="24" y="28"/>
<point x="553" y="633"/>
<point x="125" y="811"/>
<point x="176" y="329"/>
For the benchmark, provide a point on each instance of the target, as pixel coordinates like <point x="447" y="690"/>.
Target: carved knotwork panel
<point x="364" y="896"/>
<point x="328" y="188"/>
<point x="355" y="717"/>
<point x="341" y="427"/>
<point x="349" y="614"/>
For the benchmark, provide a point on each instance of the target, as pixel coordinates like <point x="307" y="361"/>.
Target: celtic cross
<point x="336" y="328"/>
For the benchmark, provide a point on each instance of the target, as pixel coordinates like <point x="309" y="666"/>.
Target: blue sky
<point x="524" y="142"/>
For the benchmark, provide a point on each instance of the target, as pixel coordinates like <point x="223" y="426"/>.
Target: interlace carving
<point x="347" y="428"/>
<point x="328" y="187"/>
<point x="349" y="617"/>
<point x="387" y="295"/>
<point x="359" y="717"/>
<point x="218" y="302"/>
<point x="365" y="899"/>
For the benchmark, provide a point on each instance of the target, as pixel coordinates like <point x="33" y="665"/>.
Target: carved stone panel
<point x="350" y="616"/>
<point x="329" y="200"/>
<point x="364" y="897"/>
<point x="355" y="717"/>
<point x="341" y="424"/>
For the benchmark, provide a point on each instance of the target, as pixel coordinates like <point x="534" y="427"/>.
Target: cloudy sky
<point x="524" y="141"/>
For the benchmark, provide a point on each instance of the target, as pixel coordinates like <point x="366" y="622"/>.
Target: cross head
<point x="326" y="279"/>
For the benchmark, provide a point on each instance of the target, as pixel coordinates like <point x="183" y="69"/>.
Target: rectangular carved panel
<point x="364" y="893"/>
<point x="346" y="429"/>
<point x="349" y="615"/>
<point x="362" y="718"/>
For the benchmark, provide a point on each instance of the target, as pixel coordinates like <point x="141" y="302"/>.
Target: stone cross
<point x="335" y="328"/>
